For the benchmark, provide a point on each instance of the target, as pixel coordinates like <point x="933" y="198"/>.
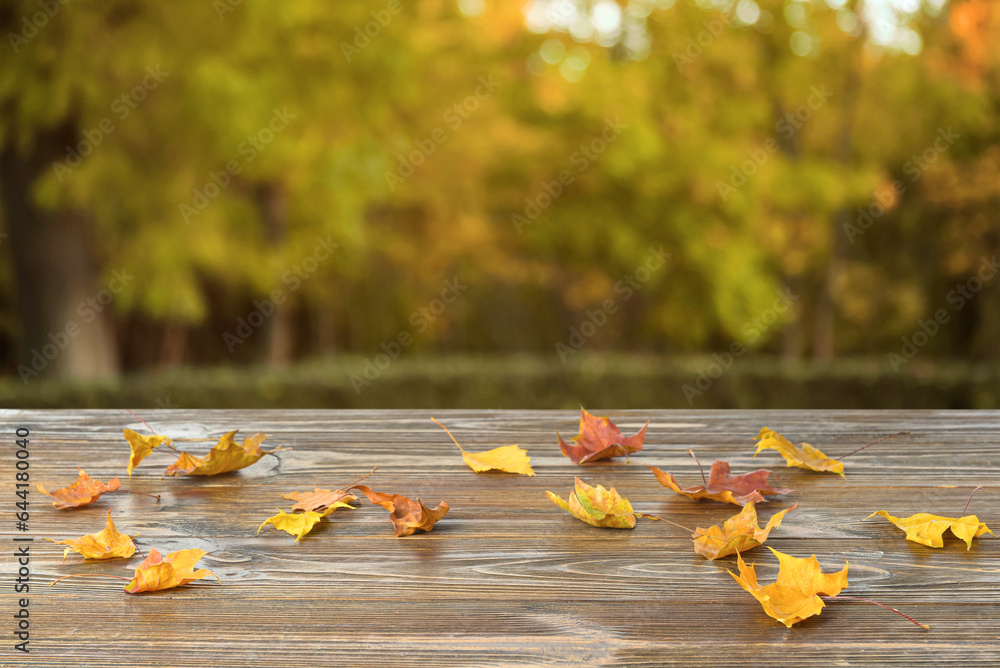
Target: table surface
<point x="506" y="578"/>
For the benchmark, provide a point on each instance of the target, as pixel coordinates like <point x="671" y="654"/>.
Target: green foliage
<point x="358" y="107"/>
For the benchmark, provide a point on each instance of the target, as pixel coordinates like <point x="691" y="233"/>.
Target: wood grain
<point x="506" y="578"/>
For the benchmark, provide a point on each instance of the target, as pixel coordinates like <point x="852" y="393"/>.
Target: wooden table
<point x="506" y="578"/>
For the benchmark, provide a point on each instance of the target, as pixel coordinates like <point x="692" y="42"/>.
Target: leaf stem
<point x="374" y="468"/>
<point x="351" y="486"/>
<point x="881" y="605"/>
<point x="142" y="421"/>
<point x="661" y="519"/>
<point x="132" y="491"/>
<point x="96" y="575"/>
<point x="970" y="499"/>
<point x="884" y="438"/>
<point x="448" y="432"/>
<point x="277" y="449"/>
<point x="691" y="452"/>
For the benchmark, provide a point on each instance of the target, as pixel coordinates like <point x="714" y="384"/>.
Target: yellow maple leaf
<point x="225" y="456"/>
<point x="506" y="458"/>
<point x="928" y="529"/>
<point x="794" y="596"/>
<point x="105" y="544"/>
<point x="157" y="572"/>
<point x="737" y="534"/>
<point x="142" y="446"/>
<point x="806" y="457"/>
<point x="296" y="524"/>
<point x="597" y="506"/>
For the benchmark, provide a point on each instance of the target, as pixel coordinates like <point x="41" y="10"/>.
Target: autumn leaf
<point x="142" y="446"/>
<point x="599" y="438"/>
<point x="84" y="491"/>
<point x="297" y="524"/>
<point x="597" y="506"/>
<point x="156" y="572"/>
<point x="928" y="529"/>
<point x="738" y="534"/>
<point x="806" y="457"/>
<point x="319" y="499"/>
<point x="105" y="544"/>
<point x="408" y="516"/>
<point x="723" y="486"/>
<point x="795" y="595"/>
<point x="506" y="458"/>
<point x="225" y="456"/>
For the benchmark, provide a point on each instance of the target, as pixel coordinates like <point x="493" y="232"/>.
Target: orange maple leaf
<point x="723" y="486"/>
<point x="84" y="491"/>
<point x="319" y="499"/>
<point x="408" y="516"/>
<point x="599" y="438"/>
<point x="157" y="572"/>
<point x="225" y="456"/>
<point x="105" y="544"/>
<point x="738" y="534"/>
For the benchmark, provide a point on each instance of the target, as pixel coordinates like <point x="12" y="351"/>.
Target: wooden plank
<point x="506" y="578"/>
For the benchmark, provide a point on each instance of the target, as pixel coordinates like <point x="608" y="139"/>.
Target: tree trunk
<point x="173" y="346"/>
<point x="66" y="330"/>
<point x="824" y="343"/>
<point x="273" y="203"/>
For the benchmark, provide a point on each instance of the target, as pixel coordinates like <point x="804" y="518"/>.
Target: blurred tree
<point x="539" y="155"/>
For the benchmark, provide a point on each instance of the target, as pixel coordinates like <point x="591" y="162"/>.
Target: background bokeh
<point x="641" y="203"/>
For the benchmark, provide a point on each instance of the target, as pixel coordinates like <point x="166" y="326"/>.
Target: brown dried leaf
<point x="408" y="516"/>
<point x="724" y="486"/>
<point x="599" y="438"/>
